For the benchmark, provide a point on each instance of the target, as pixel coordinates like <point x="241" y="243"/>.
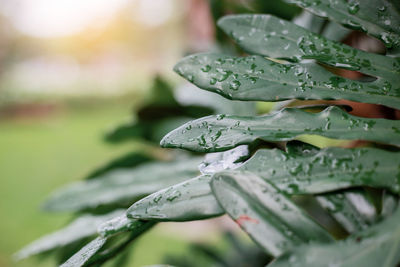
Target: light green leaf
<point x="219" y="161"/>
<point x="268" y="216"/>
<point x="84" y="226"/>
<point x="379" y="245"/>
<point x="192" y="199"/>
<point x="187" y="201"/>
<point x="122" y="186"/>
<point x="93" y="254"/>
<point x="379" y="18"/>
<point x="276" y="38"/>
<point x="255" y="78"/>
<point x="301" y="170"/>
<point x="218" y="133"/>
<point x="330" y="169"/>
<point x="118" y="225"/>
<point x="352" y="209"/>
<point x="85" y="253"/>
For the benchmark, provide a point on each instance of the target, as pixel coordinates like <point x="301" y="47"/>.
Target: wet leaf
<point x="122" y="186"/>
<point x="255" y="78"/>
<point x="86" y="253"/>
<point x="379" y="18"/>
<point x="118" y="225"/>
<point x="94" y="252"/>
<point x="213" y="133"/>
<point x="352" y="209"/>
<point x="270" y="36"/>
<point x="329" y="169"/>
<point x="270" y="218"/>
<point x="219" y="161"/>
<point x="379" y="245"/>
<point x="84" y="226"/>
<point x="187" y="201"/>
<point x="303" y="169"/>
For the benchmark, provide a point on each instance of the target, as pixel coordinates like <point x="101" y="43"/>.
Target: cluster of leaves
<point x="256" y="171"/>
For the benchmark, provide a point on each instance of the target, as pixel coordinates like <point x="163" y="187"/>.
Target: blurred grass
<point x="39" y="155"/>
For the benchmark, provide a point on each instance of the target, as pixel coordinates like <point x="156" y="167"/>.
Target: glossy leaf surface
<point x="300" y="170"/>
<point x="268" y="216"/>
<point x="120" y="186"/>
<point x="379" y="245"/>
<point x="255" y="78"/>
<point x="352" y="209"/>
<point x="85" y="253"/>
<point x="329" y="169"/>
<point x="276" y="38"/>
<point x="218" y="133"/>
<point x="189" y="200"/>
<point x="219" y="161"/>
<point x="379" y="18"/>
<point x="93" y="254"/>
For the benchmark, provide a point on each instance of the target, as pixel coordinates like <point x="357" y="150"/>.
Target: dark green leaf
<point x="130" y="160"/>
<point x="379" y="18"/>
<point x="312" y="172"/>
<point x="301" y="170"/>
<point x="352" y="209"/>
<point x="379" y="245"/>
<point x="189" y="200"/>
<point x="255" y="78"/>
<point x="270" y="218"/>
<point x="122" y="186"/>
<point x="218" y="133"/>
<point x="152" y="131"/>
<point x="276" y="38"/>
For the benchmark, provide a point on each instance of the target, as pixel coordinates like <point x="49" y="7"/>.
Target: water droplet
<point x="220" y="117"/>
<point x="353" y="7"/>
<point x="234" y="85"/>
<point x="206" y="68"/>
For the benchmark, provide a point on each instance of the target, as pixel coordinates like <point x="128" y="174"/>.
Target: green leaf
<point x="187" y="201"/>
<point x="330" y="169"/>
<point x="218" y="133"/>
<point x="122" y="186"/>
<point x="80" y="228"/>
<point x="188" y="94"/>
<point x="118" y="225"/>
<point x="379" y="18"/>
<point x="276" y="38"/>
<point x="301" y="170"/>
<point x="379" y="245"/>
<point x="268" y="216"/>
<point x="152" y="131"/>
<point x="255" y="78"/>
<point x="129" y="160"/>
<point x="192" y="199"/>
<point x="103" y="248"/>
<point x="231" y="159"/>
<point x="352" y="209"/>
<point x="85" y="253"/>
